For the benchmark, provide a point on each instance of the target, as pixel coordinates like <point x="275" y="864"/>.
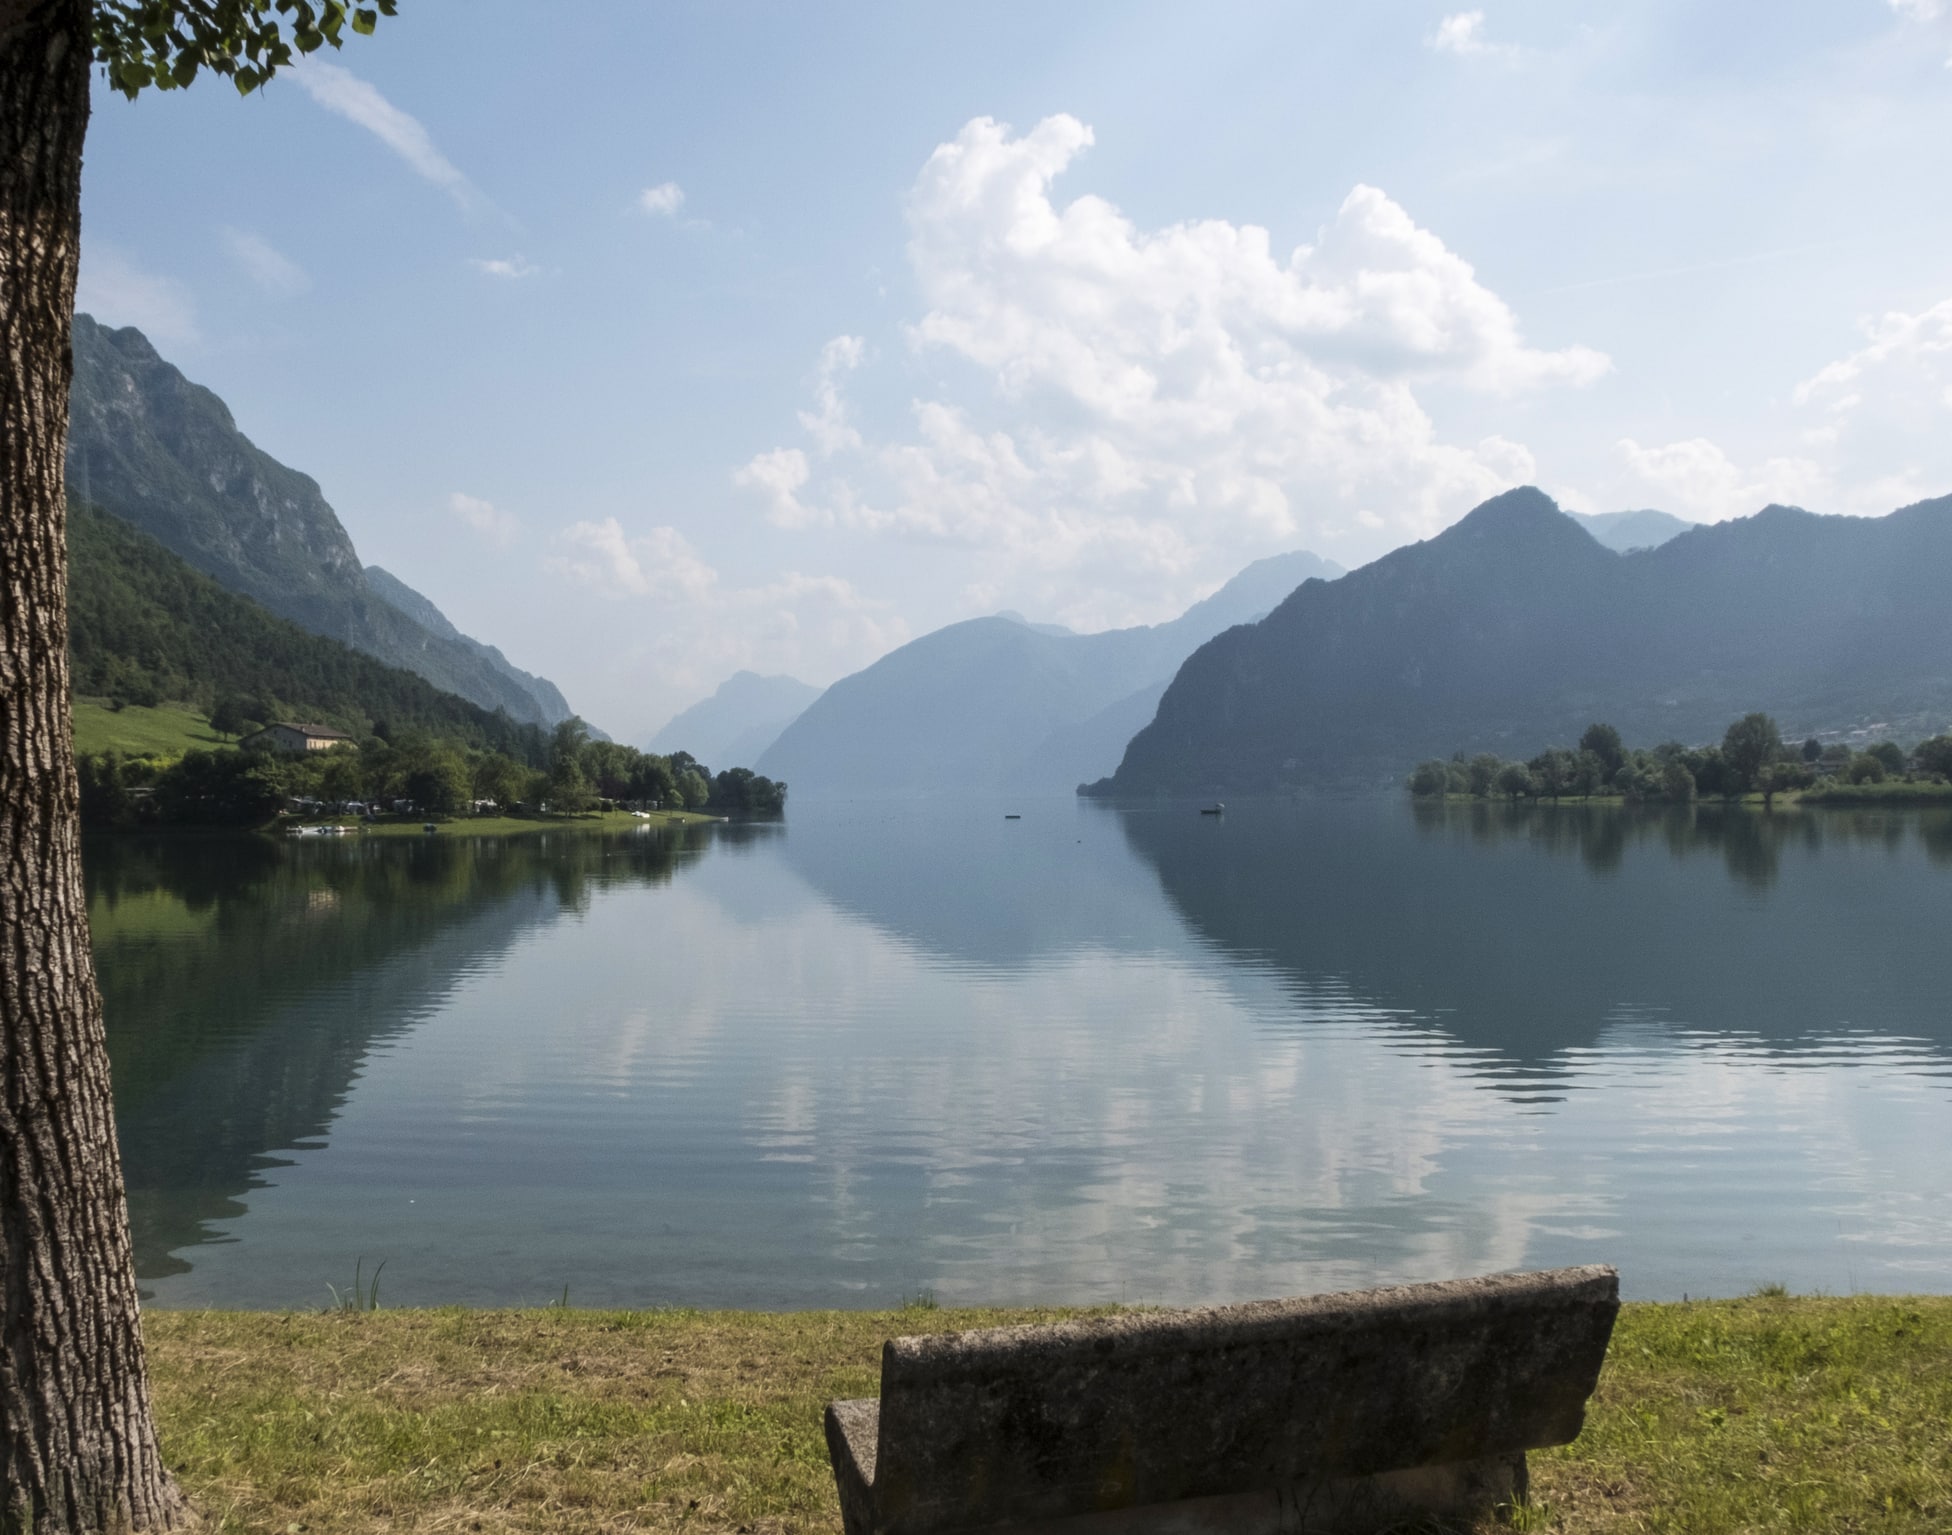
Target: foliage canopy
<point x="166" y="43"/>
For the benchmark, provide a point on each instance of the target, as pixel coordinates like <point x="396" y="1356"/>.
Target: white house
<point x="296" y="739"/>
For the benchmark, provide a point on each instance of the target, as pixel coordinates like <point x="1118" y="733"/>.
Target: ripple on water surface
<point x="1095" y="1055"/>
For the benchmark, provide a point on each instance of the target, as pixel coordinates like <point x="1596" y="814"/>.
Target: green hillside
<point x="145" y="629"/>
<point x="167" y="730"/>
<point x="165" y="454"/>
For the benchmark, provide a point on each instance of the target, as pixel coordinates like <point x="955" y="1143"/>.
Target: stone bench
<point x="1334" y="1413"/>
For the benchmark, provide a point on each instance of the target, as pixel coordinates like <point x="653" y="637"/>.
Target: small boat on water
<point x="1216" y="808"/>
<point x="1013" y="818"/>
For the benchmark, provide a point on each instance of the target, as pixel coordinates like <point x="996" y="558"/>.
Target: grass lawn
<point x="1712" y="1418"/>
<point x="166" y="731"/>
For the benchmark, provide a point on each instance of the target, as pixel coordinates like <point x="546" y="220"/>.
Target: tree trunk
<point x="77" y="1442"/>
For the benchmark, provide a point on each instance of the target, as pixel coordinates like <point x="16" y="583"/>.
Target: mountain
<point x="1631" y="530"/>
<point x="998" y="703"/>
<point x="163" y="453"/>
<point x="144" y="625"/>
<point x="735" y="726"/>
<point x="1514" y="629"/>
<point x="390" y="589"/>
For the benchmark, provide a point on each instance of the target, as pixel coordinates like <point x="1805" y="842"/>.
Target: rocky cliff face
<point x="164" y="453"/>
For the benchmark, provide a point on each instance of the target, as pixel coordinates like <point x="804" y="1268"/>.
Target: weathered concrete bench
<point x="1336" y="1413"/>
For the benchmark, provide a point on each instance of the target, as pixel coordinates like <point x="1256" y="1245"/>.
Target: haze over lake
<point x="1095" y="1054"/>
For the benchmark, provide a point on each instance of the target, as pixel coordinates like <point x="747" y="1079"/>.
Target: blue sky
<point x="656" y="341"/>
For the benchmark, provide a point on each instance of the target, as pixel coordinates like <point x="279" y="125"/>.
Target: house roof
<point x="316" y="732"/>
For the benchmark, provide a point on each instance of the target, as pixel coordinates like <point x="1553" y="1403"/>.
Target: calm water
<point x="1091" y="1054"/>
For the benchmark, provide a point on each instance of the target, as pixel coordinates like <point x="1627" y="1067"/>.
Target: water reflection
<point x="244" y="982"/>
<point x="1750" y="842"/>
<point x="1527" y="929"/>
<point x="1091" y="1054"/>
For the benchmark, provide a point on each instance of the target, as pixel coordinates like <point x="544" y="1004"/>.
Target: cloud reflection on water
<point x="1104" y="1056"/>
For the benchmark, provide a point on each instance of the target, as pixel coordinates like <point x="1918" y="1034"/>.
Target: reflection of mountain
<point x="1526" y="931"/>
<point x="246" y="981"/>
<point x="965" y="883"/>
<point x="1522" y="932"/>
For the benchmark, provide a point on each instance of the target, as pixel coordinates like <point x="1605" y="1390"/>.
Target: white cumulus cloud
<point x="1702" y="482"/>
<point x="700" y="628"/>
<point x="1878" y="433"/>
<point x="490" y="521"/>
<point x="665" y="199"/>
<point x="660" y="563"/>
<point x="1462" y="33"/>
<point x="1130" y="406"/>
<point x="1917" y="345"/>
<point x="508" y="268"/>
<point x="265" y="265"/>
<point x="1926" y="16"/>
<point x="778" y="476"/>
<point x="340" y="91"/>
<point x="827" y="423"/>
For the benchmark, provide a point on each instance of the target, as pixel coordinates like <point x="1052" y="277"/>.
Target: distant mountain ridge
<point x="391" y="590"/>
<point x="163" y="453"/>
<point x="998" y="703"/>
<point x="1631" y="530"/>
<point x="1514" y="629"/>
<point x="739" y="722"/>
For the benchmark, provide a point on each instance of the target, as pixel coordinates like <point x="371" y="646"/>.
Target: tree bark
<point x="78" y="1448"/>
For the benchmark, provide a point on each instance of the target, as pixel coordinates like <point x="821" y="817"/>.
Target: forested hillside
<point x="163" y="453"/>
<point x="143" y="627"/>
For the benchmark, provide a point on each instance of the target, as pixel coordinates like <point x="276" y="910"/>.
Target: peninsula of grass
<point x="1767" y="1414"/>
<point x="503" y="825"/>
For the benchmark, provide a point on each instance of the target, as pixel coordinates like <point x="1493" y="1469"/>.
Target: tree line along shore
<point x="407" y="772"/>
<point x="1764" y="1414"/>
<point x="1751" y="759"/>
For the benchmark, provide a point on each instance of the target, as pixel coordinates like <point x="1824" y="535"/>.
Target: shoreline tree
<point x="1751" y="758"/>
<point x="78" y="1448"/>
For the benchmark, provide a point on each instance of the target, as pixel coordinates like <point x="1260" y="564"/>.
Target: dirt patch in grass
<point x="1712" y="1418"/>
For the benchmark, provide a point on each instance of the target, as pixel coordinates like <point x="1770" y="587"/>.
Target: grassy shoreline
<point x="502" y="825"/>
<point x="1712" y="1418"/>
<point x="415" y="826"/>
<point x="1894" y="794"/>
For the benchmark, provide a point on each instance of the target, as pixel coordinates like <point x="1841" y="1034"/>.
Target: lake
<point x="1094" y="1054"/>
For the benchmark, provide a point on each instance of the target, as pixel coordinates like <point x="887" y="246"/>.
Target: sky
<point x="654" y="342"/>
